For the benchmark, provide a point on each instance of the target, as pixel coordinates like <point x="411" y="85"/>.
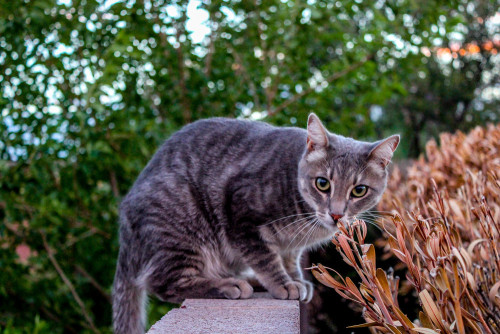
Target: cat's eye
<point x="322" y="184"/>
<point x="359" y="191"/>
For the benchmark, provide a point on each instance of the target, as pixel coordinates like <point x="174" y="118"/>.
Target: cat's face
<point x="341" y="177"/>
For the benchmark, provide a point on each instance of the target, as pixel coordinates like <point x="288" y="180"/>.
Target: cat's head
<point x="341" y="177"/>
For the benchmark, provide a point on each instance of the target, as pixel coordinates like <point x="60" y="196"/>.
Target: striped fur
<point x="223" y="198"/>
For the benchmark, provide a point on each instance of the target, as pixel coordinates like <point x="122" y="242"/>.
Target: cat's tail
<point x="129" y="305"/>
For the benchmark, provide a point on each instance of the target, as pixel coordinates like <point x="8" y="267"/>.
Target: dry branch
<point x="445" y="229"/>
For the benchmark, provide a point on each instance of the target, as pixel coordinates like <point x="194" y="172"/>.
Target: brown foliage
<point x="445" y="227"/>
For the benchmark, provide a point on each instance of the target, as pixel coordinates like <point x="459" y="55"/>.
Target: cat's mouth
<point x="326" y="221"/>
<point x="329" y="223"/>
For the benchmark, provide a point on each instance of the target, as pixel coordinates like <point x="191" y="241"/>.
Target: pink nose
<point x="336" y="217"/>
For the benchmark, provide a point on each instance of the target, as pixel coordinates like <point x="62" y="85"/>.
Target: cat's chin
<point x="326" y="236"/>
<point x="328" y="225"/>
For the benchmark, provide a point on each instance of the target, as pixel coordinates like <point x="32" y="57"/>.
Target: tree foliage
<point x="89" y="89"/>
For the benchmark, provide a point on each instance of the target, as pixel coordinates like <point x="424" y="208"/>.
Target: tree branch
<point x="53" y="317"/>
<point x="114" y="183"/>
<point x="330" y="79"/>
<point x="241" y="68"/>
<point x="270" y="90"/>
<point x="186" y="109"/>
<point x="207" y="70"/>
<point x="93" y="281"/>
<point x="68" y="284"/>
<point x="211" y="46"/>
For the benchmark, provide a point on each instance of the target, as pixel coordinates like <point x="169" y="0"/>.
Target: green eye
<point x="359" y="191"/>
<point x="322" y="184"/>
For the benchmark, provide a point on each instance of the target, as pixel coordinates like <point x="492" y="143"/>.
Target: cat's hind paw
<point x="236" y="289"/>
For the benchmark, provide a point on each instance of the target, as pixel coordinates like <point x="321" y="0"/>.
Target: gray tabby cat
<point x="223" y="199"/>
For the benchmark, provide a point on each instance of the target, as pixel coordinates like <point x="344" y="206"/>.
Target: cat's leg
<point x="186" y="280"/>
<point x="291" y="262"/>
<point x="201" y="287"/>
<point x="269" y="267"/>
<point x="228" y="287"/>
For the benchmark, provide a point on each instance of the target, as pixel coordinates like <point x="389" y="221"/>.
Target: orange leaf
<point x="393" y="243"/>
<point x="368" y="324"/>
<point x="458" y="255"/>
<point x="424" y="319"/>
<point x="424" y="330"/>
<point x="431" y="308"/>
<point x="322" y="275"/>
<point x="402" y="317"/>
<point x="353" y="289"/>
<point x="384" y="284"/>
<point x="346" y="248"/>
<point x="458" y="317"/>
<point x="366" y="293"/>
<point x="393" y="329"/>
<point x="466" y="257"/>
<point x="494" y="296"/>
<point x="370" y="254"/>
<point x="400" y="255"/>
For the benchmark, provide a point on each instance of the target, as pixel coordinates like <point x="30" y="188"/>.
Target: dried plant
<point x="445" y="228"/>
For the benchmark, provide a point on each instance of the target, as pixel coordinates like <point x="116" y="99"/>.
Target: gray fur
<point x="226" y="199"/>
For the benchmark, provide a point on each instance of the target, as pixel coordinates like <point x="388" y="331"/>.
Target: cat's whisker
<point x="313" y="230"/>
<point x="385" y="213"/>
<point x="373" y="224"/>
<point x="370" y="219"/>
<point x="297" y="220"/>
<point x="300" y="226"/>
<point x="290" y="216"/>
<point x="291" y="224"/>
<point x="382" y="213"/>
<point x="325" y="163"/>
<point x="372" y="215"/>
<point x="314" y="224"/>
<point x="306" y="234"/>
<point x="362" y="170"/>
<point x="298" y="232"/>
<point x="374" y="221"/>
<point x="369" y="214"/>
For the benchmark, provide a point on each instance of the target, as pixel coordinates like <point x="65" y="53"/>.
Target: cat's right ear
<point x="383" y="150"/>
<point x="317" y="136"/>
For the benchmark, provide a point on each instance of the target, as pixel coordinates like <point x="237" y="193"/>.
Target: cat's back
<point x="213" y="148"/>
<point x="218" y="141"/>
<point x="212" y="131"/>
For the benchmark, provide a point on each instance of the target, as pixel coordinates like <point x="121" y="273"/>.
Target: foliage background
<point x="89" y="89"/>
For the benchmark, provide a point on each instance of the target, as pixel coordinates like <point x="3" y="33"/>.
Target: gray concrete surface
<point x="261" y="315"/>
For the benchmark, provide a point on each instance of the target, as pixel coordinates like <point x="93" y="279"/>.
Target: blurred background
<point x="90" y="89"/>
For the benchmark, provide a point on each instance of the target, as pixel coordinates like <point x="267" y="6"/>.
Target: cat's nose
<point x="336" y="217"/>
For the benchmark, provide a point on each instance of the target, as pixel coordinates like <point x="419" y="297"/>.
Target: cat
<point x="223" y="200"/>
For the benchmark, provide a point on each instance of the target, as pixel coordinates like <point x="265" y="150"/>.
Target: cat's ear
<point x="317" y="136"/>
<point x="383" y="150"/>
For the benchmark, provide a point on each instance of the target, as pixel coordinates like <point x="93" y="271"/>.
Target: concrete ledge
<point x="260" y="314"/>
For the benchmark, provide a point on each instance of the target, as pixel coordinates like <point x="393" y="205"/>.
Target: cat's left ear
<point x="317" y="136"/>
<point x="383" y="150"/>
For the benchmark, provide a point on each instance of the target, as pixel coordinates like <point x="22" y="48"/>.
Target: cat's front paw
<point x="291" y="290"/>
